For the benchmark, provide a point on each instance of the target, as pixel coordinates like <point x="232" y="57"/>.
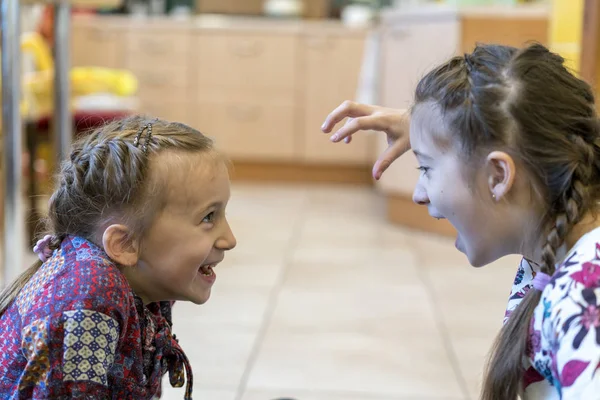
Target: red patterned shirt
<point x="77" y="330"/>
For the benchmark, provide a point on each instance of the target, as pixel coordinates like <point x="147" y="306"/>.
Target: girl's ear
<point x="501" y="171"/>
<point x="119" y="246"/>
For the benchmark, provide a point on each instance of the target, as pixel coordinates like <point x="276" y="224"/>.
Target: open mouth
<point x="207" y="270"/>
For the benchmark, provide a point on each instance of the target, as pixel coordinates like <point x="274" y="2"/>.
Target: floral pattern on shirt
<point x="563" y="352"/>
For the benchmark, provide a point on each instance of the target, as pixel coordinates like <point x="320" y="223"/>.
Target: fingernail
<point x="323" y="126"/>
<point x="333" y="138"/>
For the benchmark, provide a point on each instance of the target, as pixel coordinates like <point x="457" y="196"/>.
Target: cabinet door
<point x="409" y="52"/>
<point x="331" y="66"/>
<point x="160" y="61"/>
<point x="516" y="32"/>
<point x="248" y="125"/>
<point x="248" y="60"/>
<point x="94" y="45"/>
<point x="174" y="111"/>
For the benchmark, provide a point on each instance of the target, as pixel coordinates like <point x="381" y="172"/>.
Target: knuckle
<point x="348" y="104"/>
<point x="358" y="123"/>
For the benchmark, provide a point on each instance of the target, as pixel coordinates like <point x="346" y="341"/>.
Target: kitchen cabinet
<point x="331" y="67"/>
<point x="94" y="45"/>
<point x="261" y="88"/>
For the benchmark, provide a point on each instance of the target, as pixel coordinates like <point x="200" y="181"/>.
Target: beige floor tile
<point x="395" y="270"/>
<point x="249" y="272"/>
<point x="472" y="301"/>
<point x="332" y="198"/>
<point x="259" y="253"/>
<point x="436" y="251"/>
<point x="311" y="395"/>
<point x="199" y="393"/>
<point x="355" y="253"/>
<point x="229" y="305"/>
<point x="219" y="354"/>
<point x="266" y="203"/>
<point x="384" y="312"/>
<point x="357" y="362"/>
<point x="472" y="355"/>
<point x="218" y="337"/>
<point x="381" y="341"/>
<point x="339" y="229"/>
<point x="268" y="191"/>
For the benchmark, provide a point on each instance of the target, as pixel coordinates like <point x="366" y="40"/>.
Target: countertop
<point x="435" y="11"/>
<point x="210" y="22"/>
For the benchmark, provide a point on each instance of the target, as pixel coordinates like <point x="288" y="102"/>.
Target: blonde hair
<point x="107" y="176"/>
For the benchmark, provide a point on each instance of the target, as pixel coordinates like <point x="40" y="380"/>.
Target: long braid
<point x="528" y="105"/>
<point x="574" y="202"/>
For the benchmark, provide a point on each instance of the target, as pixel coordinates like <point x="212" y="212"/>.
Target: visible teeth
<point x="207" y="270"/>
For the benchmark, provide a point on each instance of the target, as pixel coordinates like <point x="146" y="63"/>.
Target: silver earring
<point x="493" y="196"/>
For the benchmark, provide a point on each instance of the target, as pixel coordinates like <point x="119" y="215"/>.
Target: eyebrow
<point x="214" y="204"/>
<point x="421" y="155"/>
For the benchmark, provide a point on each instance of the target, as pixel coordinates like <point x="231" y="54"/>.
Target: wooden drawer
<point x="147" y="49"/>
<point x="248" y="126"/>
<point x="162" y="84"/>
<point x="516" y="32"/>
<point x="245" y="60"/>
<point x="237" y="7"/>
<point x="97" y="46"/>
<point x="175" y="111"/>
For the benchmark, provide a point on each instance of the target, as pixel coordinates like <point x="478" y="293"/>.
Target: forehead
<point x="190" y="180"/>
<point x="428" y="130"/>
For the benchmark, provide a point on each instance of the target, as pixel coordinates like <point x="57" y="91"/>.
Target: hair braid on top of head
<point x="107" y="176"/>
<point x="527" y="103"/>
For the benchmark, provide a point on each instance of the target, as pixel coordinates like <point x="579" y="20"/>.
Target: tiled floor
<point x="323" y="300"/>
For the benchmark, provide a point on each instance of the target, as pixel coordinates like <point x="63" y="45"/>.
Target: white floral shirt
<point x="563" y="354"/>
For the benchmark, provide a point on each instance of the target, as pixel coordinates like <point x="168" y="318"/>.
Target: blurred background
<point x="340" y="287"/>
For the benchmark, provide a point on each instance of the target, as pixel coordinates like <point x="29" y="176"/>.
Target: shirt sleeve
<point x="575" y="321"/>
<point x="69" y="355"/>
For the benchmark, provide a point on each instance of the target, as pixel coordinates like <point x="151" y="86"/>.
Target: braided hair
<point x="527" y="102"/>
<point x="108" y="176"/>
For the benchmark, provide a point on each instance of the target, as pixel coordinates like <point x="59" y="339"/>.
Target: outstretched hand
<point x="365" y="117"/>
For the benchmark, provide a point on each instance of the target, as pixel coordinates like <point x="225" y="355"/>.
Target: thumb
<point x="390" y="155"/>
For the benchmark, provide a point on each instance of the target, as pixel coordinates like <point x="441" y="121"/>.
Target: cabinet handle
<point x="247" y="48"/>
<point x="244" y="112"/>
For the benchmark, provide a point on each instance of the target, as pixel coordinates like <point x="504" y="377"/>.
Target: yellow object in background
<point x="38" y="85"/>
<point x="566" y="29"/>
<point x="84" y="81"/>
<point x="34" y="43"/>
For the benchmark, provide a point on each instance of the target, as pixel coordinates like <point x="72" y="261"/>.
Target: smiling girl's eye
<point x="210" y="218"/>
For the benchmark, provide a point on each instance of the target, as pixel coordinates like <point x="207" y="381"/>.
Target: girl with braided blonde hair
<point x="137" y="221"/>
<point x="508" y="145"/>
